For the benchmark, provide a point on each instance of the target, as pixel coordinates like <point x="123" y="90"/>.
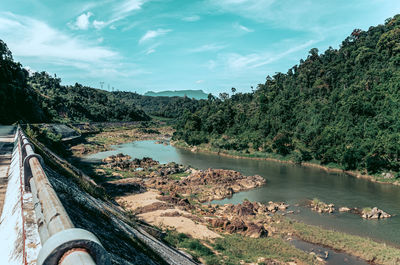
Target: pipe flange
<point x="28" y="170"/>
<point x="57" y="245"/>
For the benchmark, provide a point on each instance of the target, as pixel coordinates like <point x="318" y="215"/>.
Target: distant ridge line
<point x="197" y="94"/>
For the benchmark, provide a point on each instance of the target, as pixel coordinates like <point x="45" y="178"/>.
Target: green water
<point x="293" y="184"/>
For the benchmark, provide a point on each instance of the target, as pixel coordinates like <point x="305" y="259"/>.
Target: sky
<point x="213" y="45"/>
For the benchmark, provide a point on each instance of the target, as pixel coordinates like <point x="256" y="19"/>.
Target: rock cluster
<point x="247" y="218"/>
<point x="322" y="207"/>
<point x="116" y="158"/>
<point x="207" y="185"/>
<point x="163" y="142"/>
<point x="239" y="225"/>
<point x="375" y="213"/>
<point x="175" y="199"/>
<point x="387" y="175"/>
<point x="216" y="184"/>
<point x="145" y="162"/>
<point x="367" y="213"/>
<point x="121" y="161"/>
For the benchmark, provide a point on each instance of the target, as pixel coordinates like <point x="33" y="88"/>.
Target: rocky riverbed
<point x="173" y="196"/>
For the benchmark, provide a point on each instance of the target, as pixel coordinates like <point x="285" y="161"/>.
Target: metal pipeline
<point x="61" y="242"/>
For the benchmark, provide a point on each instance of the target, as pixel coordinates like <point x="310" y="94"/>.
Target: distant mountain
<point x="197" y="94"/>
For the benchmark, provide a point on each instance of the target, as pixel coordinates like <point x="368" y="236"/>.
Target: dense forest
<point x="162" y="106"/>
<point x="80" y="103"/>
<point x="40" y="97"/>
<point x="342" y="107"/>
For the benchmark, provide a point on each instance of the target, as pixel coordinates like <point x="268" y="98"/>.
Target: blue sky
<point x="141" y="45"/>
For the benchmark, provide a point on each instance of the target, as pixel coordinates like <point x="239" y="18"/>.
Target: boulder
<point x="322" y="207"/>
<point x="235" y="225"/>
<point x="375" y="213"/>
<point x="282" y="206"/>
<point x="387" y="175"/>
<point x="219" y="222"/>
<point x="255" y="231"/>
<point x="344" y="209"/>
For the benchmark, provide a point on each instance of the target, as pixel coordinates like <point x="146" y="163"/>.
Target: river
<point x="292" y="184"/>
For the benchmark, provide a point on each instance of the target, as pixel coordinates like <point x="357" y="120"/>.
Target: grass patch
<point x="364" y="248"/>
<point x="191" y="245"/>
<point x="178" y="176"/>
<point x="237" y="248"/>
<point x="234" y="249"/>
<point x="366" y="210"/>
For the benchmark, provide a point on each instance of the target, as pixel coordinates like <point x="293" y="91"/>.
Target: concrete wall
<point x="19" y="240"/>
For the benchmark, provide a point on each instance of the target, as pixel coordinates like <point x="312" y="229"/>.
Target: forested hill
<point x="81" y="103"/>
<point x="196" y="94"/>
<point x="41" y="98"/>
<point x="342" y="106"/>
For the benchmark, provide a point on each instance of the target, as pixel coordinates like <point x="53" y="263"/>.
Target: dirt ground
<point x="182" y="223"/>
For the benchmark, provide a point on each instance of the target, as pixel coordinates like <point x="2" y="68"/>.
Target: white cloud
<point x="191" y="18"/>
<point x="120" y="11"/>
<point x="306" y="16"/>
<point x="241" y="27"/>
<point x="126" y="7"/>
<point x="208" y="47"/>
<point x="199" y="81"/>
<point x="48" y="43"/>
<point x="99" y="24"/>
<point x="211" y="64"/>
<point x="238" y="62"/>
<point x="34" y="41"/>
<point x="151" y="34"/>
<point x="150" y="51"/>
<point x="254" y="9"/>
<point x="82" y="22"/>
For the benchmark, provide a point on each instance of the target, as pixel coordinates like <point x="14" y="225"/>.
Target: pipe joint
<point x="65" y="241"/>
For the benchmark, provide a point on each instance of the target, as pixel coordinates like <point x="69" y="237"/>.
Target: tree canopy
<point x="341" y="106"/>
<point x="40" y="97"/>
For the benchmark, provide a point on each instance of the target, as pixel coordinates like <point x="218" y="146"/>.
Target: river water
<point x="292" y="184"/>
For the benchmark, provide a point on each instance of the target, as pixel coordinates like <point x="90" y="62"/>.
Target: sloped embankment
<point x="102" y="219"/>
<point x="90" y="209"/>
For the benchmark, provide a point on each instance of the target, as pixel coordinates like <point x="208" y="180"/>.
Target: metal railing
<point x="62" y="243"/>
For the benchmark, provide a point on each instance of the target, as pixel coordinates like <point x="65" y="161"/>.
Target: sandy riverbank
<point x="172" y="218"/>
